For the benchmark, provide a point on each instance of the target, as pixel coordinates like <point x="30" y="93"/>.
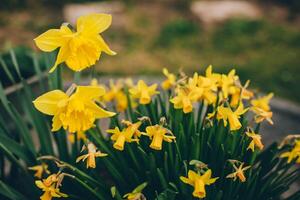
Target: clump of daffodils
<point x="189" y="137"/>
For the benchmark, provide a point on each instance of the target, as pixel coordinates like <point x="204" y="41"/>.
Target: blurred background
<point x="261" y="39"/>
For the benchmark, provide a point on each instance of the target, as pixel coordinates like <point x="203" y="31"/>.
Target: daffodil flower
<point x="79" y="49"/>
<point x="239" y="94"/>
<point x="227" y="83"/>
<point x="74" y="113"/>
<point x="129" y="134"/>
<point x="91" y="155"/>
<point x="143" y="92"/>
<point x="40" y="170"/>
<point x="198" y="182"/>
<point x="50" y="187"/>
<point x="293" y="154"/>
<point x="226" y="113"/>
<point x="239" y="173"/>
<point x="255" y="141"/>
<point x="261" y="109"/>
<point x="170" y="81"/>
<point x="136" y="194"/>
<point x="158" y="134"/>
<point x="187" y="95"/>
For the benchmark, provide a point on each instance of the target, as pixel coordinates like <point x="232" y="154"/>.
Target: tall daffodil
<point x="239" y="172"/>
<point x="187" y="95"/>
<point x="293" y="154"/>
<point x="81" y="48"/>
<point x="129" y="134"/>
<point x="74" y="113"/>
<point x="261" y="109"/>
<point x="50" y="187"/>
<point x="158" y="134"/>
<point x="170" y="81"/>
<point x="198" y="182"/>
<point x="255" y="141"/>
<point x="227" y="114"/>
<point x="91" y="155"/>
<point x="143" y="92"/>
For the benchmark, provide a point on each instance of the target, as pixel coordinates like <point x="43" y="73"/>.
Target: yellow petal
<point x="103" y="46"/>
<point x="48" y="102"/>
<point x="56" y="123"/>
<point x="63" y="54"/>
<point x="53" y="38"/>
<point x="98" y="111"/>
<point x="93" y="23"/>
<point x="90" y="92"/>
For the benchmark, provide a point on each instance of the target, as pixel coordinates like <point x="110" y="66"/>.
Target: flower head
<point x="170" y="81"/>
<point x="158" y="134"/>
<point x="255" y="141"/>
<point x="79" y="49"/>
<point x="239" y="172"/>
<point x="50" y="187"/>
<point x="40" y="170"/>
<point x="262" y="102"/>
<point x="198" y="182"/>
<point x="136" y="194"/>
<point x="91" y="155"/>
<point x="293" y="154"/>
<point x="74" y="113"/>
<point x="143" y="92"/>
<point x="129" y="134"/>
<point x="226" y="113"/>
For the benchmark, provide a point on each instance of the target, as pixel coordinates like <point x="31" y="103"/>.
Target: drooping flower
<point x="129" y="134"/>
<point x="50" y="187"/>
<point x="261" y="109"/>
<point x="255" y="141"/>
<point x="79" y="49"/>
<point x="170" y="81"/>
<point x="143" y="92"/>
<point x="40" y="170"/>
<point x="293" y="154"/>
<point x="158" y="134"/>
<point x="91" y="155"/>
<point x="238" y="173"/>
<point x="226" y="114"/>
<point x="136" y="194"/>
<point x="74" y="113"/>
<point x="199" y="182"/>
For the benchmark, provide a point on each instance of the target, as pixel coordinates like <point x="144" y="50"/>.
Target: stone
<point x="211" y="12"/>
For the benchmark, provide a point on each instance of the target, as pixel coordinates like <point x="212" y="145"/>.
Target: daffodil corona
<point x="91" y="155"/>
<point x="158" y="134"/>
<point x="81" y="48"/>
<point x="74" y="113"/>
<point x="143" y="92"/>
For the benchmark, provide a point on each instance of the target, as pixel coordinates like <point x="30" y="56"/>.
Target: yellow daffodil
<point x="262" y="102"/>
<point x="187" y="95"/>
<point x="239" y="172"/>
<point x="129" y="134"/>
<point x="239" y="94"/>
<point x="293" y="154"/>
<point x="76" y="112"/>
<point x="209" y="85"/>
<point x="80" y="136"/>
<point x="198" y="182"/>
<point x="136" y="194"/>
<point x="261" y="109"/>
<point x="227" y="83"/>
<point x="255" y="142"/>
<point x="143" y="92"/>
<point x="80" y="49"/>
<point x="170" y="81"/>
<point x="91" y="155"/>
<point x="40" y="170"/>
<point x="226" y="113"/>
<point x="50" y="187"/>
<point x="158" y="134"/>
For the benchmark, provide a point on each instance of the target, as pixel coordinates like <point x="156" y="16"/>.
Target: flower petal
<point x="93" y="23"/>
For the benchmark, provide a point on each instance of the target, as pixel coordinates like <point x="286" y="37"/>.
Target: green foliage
<point x="25" y="136"/>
